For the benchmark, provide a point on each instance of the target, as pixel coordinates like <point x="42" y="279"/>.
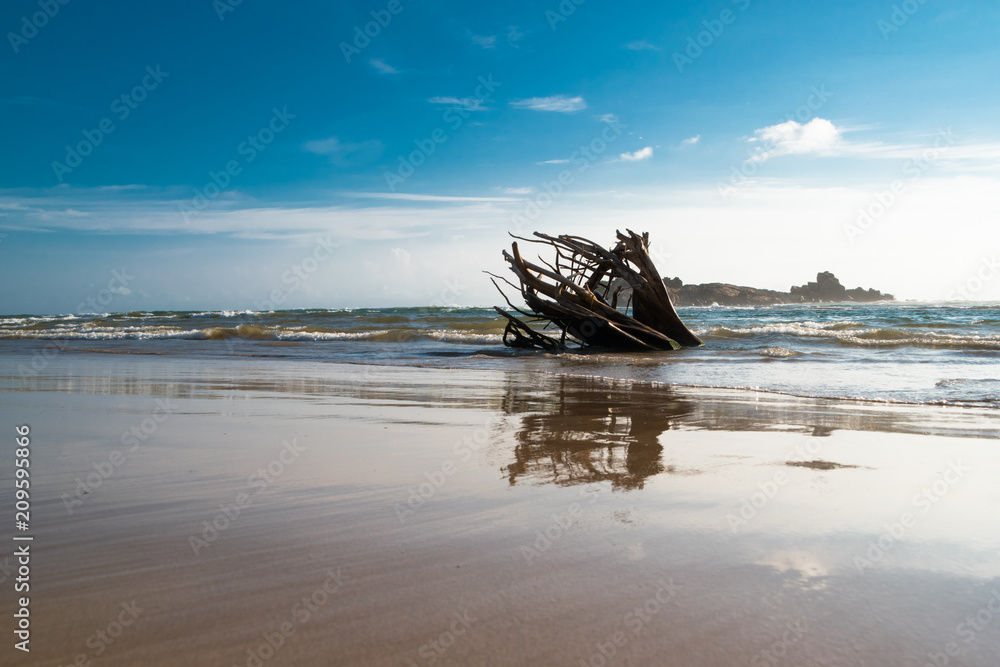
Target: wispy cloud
<point x="514" y="34"/>
<point x="31" y="101"/>
<point x="554" y="162"/>
<point x="383" y="67"/>
<point x="641" y="45"/>
<point x="692" y="141"/>
<point x="607" y="118"/>
<point x="414" y="197"/>
<point x="464" y="103"/>
<point x="637" y="156"/>
<point x="402" y="255"/>
<point x="345" y="153"/>
<point x="517" y="191"/>
<point x="557" y="103"/>
<point x="155" y="211"/>
<point x="822" y="138"/>
<point x="486" y="42"/>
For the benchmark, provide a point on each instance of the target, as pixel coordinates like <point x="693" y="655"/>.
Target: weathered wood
<point x="572" y="294"/>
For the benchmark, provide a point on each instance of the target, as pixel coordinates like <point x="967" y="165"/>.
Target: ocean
<point x="918" y="353"/>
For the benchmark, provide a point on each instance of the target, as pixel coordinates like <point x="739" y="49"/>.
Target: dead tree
<point x="596" y="297"/>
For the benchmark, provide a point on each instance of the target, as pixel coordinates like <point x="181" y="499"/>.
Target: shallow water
<point x="932" y="353"/>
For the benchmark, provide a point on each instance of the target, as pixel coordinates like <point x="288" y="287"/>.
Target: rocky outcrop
<point x="728" y="295"/>
<point x="826" y="289"/>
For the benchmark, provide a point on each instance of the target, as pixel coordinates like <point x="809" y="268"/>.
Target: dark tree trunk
<point x="581" y="293"/>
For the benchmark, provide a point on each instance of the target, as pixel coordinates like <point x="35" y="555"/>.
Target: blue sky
<point x="217" y="153"/>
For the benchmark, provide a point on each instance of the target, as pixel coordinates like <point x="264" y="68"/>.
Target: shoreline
<point x="473" y="361"/>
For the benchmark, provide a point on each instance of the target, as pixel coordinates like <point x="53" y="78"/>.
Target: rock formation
<point x="826" y="289"/>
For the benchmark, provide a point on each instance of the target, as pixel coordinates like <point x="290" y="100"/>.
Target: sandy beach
<point x="250" y="511"/>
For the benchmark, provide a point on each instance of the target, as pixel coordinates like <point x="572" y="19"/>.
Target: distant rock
<point x="728" y="295"/>
<point x="826" y="289"/>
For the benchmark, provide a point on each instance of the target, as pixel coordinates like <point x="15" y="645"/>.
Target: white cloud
<point x="383" y="67"/>
<point x="641" y="45"/>
<point x="821" y="137"/>
<point x="642" y="154"/>
<point x="464" y="103"/>
<point x="344" y="154"/>
<point x="607" y="118"/>
<point x="402" y="256"/>
<point x="158" y="211"/>
<point x="518" y="191"/>
<point x="558" y="103"/>
<point x="818" y="136"/>
<point x="692" y="141"/>
<point x="487" y="42"/>
<point x="514" y="34"/>
<point x="554" y="162"/>
<point x="943" y="145"/>
<point x="414" y="197"/>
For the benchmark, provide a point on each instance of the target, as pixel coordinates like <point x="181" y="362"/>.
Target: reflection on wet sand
<point x="580" y="431"/>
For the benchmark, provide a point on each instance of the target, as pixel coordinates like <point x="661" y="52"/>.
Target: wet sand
<point x="257" y="511"/>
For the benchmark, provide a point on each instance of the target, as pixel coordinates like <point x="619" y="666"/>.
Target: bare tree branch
<point x="573" y="295"/>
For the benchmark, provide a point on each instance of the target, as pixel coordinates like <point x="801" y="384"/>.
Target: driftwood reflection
<point x="578" y="431"/>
